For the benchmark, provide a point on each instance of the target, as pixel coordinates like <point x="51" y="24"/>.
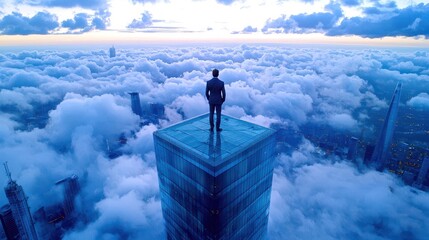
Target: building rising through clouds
<point x="422" y="177"/>
<point x="112" y="52"/>
<point x="135" y="103"/>
<point x="380" y="154"/>
<point x="153" y="112"/>
<point x="71" y="189"/>
<point x="20" y="209"/>
<point x="215" y="186"/>
<point x="353" y="145"/>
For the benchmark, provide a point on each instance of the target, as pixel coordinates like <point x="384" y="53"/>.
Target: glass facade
<point x="20" y="211"/>
<point x="379" y="157"/>
<point x="215" y="185"/>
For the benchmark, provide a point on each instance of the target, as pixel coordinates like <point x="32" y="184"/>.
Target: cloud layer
<point x="338" y="202"/>
<point x="69" y="108"/>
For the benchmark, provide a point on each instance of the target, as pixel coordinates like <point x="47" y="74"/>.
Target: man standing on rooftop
<point x="215" y="93"/>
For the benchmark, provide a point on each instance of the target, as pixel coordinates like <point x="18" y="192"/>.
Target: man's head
<point x="215" y="73"/>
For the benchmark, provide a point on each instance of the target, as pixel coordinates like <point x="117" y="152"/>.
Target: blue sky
<point x="240" y="20"/>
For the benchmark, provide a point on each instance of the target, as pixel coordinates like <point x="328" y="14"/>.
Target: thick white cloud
<point x="420" y="101"/>
<point x="313" y="197"/>
<point x="7" y="126"/>
<point x="130" y="208"/>
<point x="143" y="142"/>
<point x="260" y="120"/>
<point x="289" y="105"/>
<point x="26" y="79"/>
<point x="15" y="99"/>
<point x="234" y="111"/>
<point x="100" y="116"/>
<point x="149" y="67"/>
<point x="406" y="67"/>
<point x="334" y="201"/>
<point x="190" y="106"/>
<point x="233" y="75"/>
<point x="342" y="121"/>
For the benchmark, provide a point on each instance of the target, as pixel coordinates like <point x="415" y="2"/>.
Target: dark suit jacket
<point x="215" y="91"/>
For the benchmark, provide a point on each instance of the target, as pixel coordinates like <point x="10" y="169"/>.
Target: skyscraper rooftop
<point x="193" y="136"/>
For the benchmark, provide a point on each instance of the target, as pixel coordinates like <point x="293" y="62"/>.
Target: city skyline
<point x="62" y="110"/>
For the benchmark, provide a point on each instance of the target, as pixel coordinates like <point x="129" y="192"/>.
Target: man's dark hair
<point x="215" y="73"/>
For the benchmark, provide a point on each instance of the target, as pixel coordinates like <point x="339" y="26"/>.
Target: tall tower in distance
<point x="215" y="185"/>
<point x="20" y="210"/>
<point x="379" y="156"/>
<point x="71" y="189"/>
<point x="112" y="52"/>
<point x="351" y="153"/>
<point x="135" y="103"/>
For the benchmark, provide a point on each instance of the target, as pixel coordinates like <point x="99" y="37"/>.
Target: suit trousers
<point x="218" y="108"/>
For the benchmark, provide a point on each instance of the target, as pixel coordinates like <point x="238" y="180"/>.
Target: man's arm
<point x="223" y="93"/>
<point x="207" y="91"/>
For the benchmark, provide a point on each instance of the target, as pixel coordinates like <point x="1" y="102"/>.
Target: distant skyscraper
<point x="112" y="51"/>
<point x="20" y="210"/>
<point x="157" y="109"/>
<point x="422" y="173"/>
<point x="8" y="223"/>
<point x="135" y="103"/>
<point x="215" y="185"/>
<point x="351" y="153"/>
<point x="369" y="150"/>
<point x="379" y="157"/>
<point x="71" y="189"/>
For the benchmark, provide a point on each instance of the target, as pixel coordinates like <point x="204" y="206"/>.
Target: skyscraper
<point x="20" y="210"/>
<point x="215" y="185"/>
<point x="112" y="52"/>
<point x="351" y="153"/>
<point x="369" y="150"/>
<point x="8" y="223"/>
<point x="379" y="157"/>
<point x="135" y="103"/>
<point x="421" y="178"/>
<point x="71" y="189"/>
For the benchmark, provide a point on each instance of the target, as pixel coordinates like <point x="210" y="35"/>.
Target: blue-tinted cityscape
<point x="114" y="143"/>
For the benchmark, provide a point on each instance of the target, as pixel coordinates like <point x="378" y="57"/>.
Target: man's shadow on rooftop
<point x="215" y="147"/>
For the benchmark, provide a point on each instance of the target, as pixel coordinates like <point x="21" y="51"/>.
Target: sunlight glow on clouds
<point x="363" y="18"/>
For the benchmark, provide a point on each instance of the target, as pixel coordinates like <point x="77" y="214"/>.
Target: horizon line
<point x="106" y="37"/>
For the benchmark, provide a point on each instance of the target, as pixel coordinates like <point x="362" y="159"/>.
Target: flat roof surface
<point x="194" y="135"/>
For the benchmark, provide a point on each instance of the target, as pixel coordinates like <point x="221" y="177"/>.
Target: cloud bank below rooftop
<point x="82" y="95"/>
